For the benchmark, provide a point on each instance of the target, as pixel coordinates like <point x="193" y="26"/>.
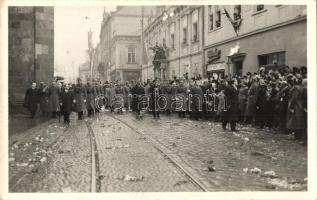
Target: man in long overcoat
<point x="31" y="99"/>
<point x="44" y="99"/>
<point x="90" y="99"/>
<point x="231" y="113"/>
<point x="54" y="92"/>
<point x="295" y="111"/>
<point x="80" y="98"/>
<point x="196" y="101"/>
<point x="66" y="102"/>
<point x="138" y="93"/>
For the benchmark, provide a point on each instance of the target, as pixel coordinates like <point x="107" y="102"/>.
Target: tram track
<point x="95" y="170"/>
<point x="164" y="151"/>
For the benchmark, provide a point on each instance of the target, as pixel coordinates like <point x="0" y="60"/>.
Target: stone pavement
<point x="52" y="158"/>
<point x="232" y="154"/>
<point x="128" y="163"/>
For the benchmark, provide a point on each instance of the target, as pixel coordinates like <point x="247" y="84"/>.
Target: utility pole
<point x="141" y="42"/>
<point x="34" y="35"/>
<point x="90" y="52"/>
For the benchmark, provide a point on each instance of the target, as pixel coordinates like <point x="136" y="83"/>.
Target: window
<point x="195" y="32"/>
<point x="237" y="12"/>
<point x="131" y="55"/>
<point x="272" y="59"/>
<point x="185" y="35"/>
<point x="218" y="17"/>
<point x="172" y="41"/>
<point x="211" y="18"/>
<point x="211" y="22"/>
<point x="259" y="8"/>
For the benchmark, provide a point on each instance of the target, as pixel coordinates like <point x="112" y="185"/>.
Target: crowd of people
<point x="271" y="98"/>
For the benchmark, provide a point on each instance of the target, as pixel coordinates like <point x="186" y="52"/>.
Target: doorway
<point x="237" y="67"/>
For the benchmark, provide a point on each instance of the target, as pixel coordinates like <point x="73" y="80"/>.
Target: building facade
<point x="31" y="48"/>
<point x="179" y="30"/>
<point x="243" y="38"/>
<point x="120" y="48"/>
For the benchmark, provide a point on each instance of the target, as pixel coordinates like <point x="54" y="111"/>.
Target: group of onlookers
<point x="275" y="98"/>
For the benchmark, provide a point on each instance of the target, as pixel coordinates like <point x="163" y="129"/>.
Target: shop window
<point x="218" y="18"/>
<point x="237" y="12"/>
<point x="195" y="32"/>
<point x="272" y="59"/>
<point x="185" y="35"/>
<point x="259" y="8"/>
<point x="131" y="55"/>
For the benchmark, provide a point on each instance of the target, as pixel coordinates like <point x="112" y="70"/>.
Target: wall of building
<point x="251" y="20"/>
<point x="31" y="48"/>
<point x="290" y="38"/>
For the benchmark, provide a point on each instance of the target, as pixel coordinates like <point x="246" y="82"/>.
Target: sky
<point x="71" y="37"/>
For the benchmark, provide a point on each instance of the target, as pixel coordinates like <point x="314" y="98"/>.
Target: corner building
<point x="266" y="36"/>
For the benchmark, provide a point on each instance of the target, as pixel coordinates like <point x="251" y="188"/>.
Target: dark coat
<point x="44" y="100"/>
<point x="231" y="98"/>
<point x="137" y="93"/>
<point x="155" y="101"/>
<point x="80" y="95"/>
<point x="196" y="99"/>
<point x="90" y="99"/>
<point x="54" y="92"/>
<point x="182" y="96"/>
<point x="119" y="98"/>
<point x="66" y="99"/>
<point x="31" y="99"/>
<point x="295" y="120"/>
<point x="243" y="97"/>
<point x="261" y="102"/>
<point x="252" y="97"/>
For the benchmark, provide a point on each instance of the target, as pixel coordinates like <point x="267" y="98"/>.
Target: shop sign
<point x="213" y="55"/>
<point x="216" y="66"/>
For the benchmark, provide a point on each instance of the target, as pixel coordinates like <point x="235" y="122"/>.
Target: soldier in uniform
<point x="154" y="92"/>
<point x="119" y="100"/>
<point x="127" y="95"/>
<point x="90" y="99"/>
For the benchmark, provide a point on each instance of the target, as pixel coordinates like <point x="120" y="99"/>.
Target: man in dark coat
<point x="90" y="100"/>
<point x="80" y="99"/>
<point x="31" y="99"/>
<point x="155" y="92"/>
<point x="66" y="102"/>
<point x="231" y="113"/>
<point x="261" y="111"/>
<point x="196" y="101"/>
<point x="138" y="93"/>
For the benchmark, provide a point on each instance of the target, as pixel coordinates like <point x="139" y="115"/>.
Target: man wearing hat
<point x="231" y="113"/>
<point x="80" y="98"/>
<point x="66" y="101"/>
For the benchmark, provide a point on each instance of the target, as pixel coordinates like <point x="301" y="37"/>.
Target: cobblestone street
<point x="146" y="155"/>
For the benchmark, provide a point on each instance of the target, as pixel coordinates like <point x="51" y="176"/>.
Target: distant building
<point x="119" y="52"/>
<point x="31" y="48"/>
<point x="259" y="36"/>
